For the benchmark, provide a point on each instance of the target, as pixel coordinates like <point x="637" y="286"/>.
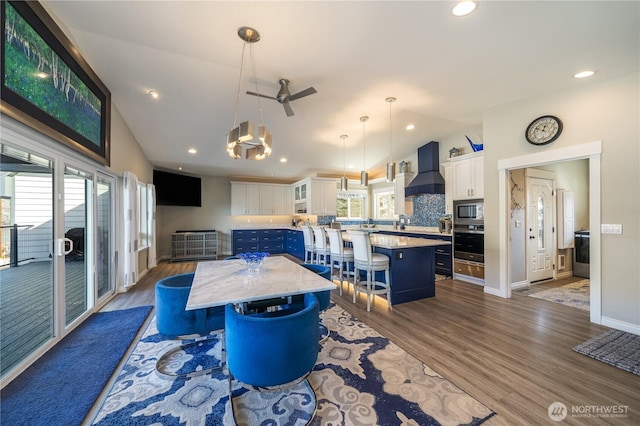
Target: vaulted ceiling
<point x="443" y="70"/>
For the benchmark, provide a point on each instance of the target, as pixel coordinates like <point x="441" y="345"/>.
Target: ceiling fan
<point x="284" y="96"/>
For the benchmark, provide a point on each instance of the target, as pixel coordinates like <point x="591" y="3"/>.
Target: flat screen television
<point x="177" y="190"/>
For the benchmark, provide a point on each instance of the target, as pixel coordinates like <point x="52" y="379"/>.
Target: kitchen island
<point x="411" y="265"/>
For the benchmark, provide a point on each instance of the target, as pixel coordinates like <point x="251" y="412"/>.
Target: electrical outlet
<point x="608" y="228"/>
<point x="408" y="221"/>
<point x="518" y="223"/>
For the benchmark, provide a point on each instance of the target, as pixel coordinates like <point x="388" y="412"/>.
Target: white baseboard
<point x="468" y="279"/>
<point x="519" y="284"/>
<point x="495" y="292"/>
<point x="621" y="325"/>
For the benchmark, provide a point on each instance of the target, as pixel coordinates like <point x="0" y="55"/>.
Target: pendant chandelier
<point x="241" y="137"/>
<point x="391" y="166"/>
<point x="344" y="186"/>
<point x="364" y="176"/>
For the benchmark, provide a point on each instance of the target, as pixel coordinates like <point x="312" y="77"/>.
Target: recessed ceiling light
<point x="283" y="160"/>
<point x="192" y="151"/>
<point x="42" y="74"/>
<point x="153" y="94"/>
<point x="464" y="8"/>
<point x="584" y="74"/>
<point x="179" y="168"/>
<point x="410" y="126"/>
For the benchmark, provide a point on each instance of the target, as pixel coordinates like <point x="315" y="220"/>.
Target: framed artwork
<point x="47" y="85"/>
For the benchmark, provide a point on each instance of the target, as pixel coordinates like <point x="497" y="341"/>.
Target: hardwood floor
<point x="514" y="355"/>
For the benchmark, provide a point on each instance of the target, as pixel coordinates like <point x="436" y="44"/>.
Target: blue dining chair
<point x="272" y="348"/>
<point x="173" y="320"/>
<point x="324" y="297"/>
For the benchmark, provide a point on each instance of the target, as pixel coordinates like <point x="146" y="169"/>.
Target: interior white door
<point x="541" y="229"/>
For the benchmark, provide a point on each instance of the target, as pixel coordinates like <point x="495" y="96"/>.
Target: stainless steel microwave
<point x="468" y="210"/>
<point x="301" y="207"/>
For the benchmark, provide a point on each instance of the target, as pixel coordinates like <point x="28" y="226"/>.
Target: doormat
<point x="614" y="347"/>
<point x="574" y="294"/>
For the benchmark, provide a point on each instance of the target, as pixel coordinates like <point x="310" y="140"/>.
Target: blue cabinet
<point x="274" y="241"/>
<point x="443" y="258"/>
<point x="294" y="244"/>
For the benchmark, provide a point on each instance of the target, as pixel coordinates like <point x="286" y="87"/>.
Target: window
<point x="383" y="204"/>
<point x="351" y="205"/>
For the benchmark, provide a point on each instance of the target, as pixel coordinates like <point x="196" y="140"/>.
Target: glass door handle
<point x="62" y="245"/>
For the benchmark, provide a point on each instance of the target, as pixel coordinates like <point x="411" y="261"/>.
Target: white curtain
<point x="151" y="223"/>
<point x="131" y="206"/>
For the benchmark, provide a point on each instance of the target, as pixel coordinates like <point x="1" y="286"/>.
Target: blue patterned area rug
<point x="361" y="378"/>
<point x="614" y="347"/>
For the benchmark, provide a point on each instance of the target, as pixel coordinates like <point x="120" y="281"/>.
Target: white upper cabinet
<point x="403" y="206"/>
<point x="259" y="199"/>
<point x="245" y="198"/>
<point x="448" y="188"/>
<point x="266" y="199"/>
<point x="323" y="196"/>
<point x="468" y="176"/>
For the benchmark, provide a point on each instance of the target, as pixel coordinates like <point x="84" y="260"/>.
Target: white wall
<point x="215" y="213"/>
<point x="605" y="111"/>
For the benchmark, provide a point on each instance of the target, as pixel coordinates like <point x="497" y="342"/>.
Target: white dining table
<point x="219" y="282"/>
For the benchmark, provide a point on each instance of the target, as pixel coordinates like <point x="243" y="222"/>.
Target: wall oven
<point x="468" y="239"/>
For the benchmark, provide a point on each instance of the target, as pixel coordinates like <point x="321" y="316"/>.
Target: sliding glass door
<point x="78" y="213"/>
<point x="56" y="248"/>
<point x="27" y="311"/>
<point x="105" y="274"/>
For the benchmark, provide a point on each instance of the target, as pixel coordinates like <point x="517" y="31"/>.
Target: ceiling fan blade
<point x="261" y="95"/>
<point x="288" y="109"/>
<point x="305" y="92"/>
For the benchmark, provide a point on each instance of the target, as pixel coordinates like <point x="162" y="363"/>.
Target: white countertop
<point x="394" y="242"/>
<point x="408" y="230"/>
<point x="219" y="282"/>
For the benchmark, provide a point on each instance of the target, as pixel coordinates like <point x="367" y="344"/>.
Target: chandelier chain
<point x="255" y="80"/>
<point x="235" y="115"/>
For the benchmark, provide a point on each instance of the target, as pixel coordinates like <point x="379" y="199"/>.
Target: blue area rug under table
<point x="361" y="378"/>
<point x="61" y="387"/>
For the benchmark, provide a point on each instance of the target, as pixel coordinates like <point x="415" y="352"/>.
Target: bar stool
<point x="366" y="260"/>
<point x="340" y="255"/>
<point x="322" y="247"/>
<point x="309" y="246"/>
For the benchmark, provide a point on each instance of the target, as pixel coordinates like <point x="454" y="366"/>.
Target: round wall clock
<point x="544" y="130"/>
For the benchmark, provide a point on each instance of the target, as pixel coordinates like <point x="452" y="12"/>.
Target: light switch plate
<point x="608" y="228"/>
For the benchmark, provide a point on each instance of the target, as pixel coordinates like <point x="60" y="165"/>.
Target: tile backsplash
<point x="427" y="210"/>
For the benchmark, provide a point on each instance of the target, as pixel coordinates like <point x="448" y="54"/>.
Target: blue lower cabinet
<point x="443" y="257"/>
<point x="273" y="241"/>
<point x="412" y="273"/>
<point x="243" y="248"/>
<point x="294" y="244"/>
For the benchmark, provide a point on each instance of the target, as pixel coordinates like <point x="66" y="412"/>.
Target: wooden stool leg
<point x="388" y="281"/>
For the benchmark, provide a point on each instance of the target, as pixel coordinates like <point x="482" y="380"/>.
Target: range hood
<point x="429" y="180"/>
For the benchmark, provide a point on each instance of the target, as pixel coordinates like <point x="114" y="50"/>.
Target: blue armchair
<point x="273" y="348"/>
<point x="171" y="317"/>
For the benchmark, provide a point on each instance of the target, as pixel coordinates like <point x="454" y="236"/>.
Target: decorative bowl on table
<point x="253" y="260"/>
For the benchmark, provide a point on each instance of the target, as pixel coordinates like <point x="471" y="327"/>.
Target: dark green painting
<point x="35" y="72"/>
